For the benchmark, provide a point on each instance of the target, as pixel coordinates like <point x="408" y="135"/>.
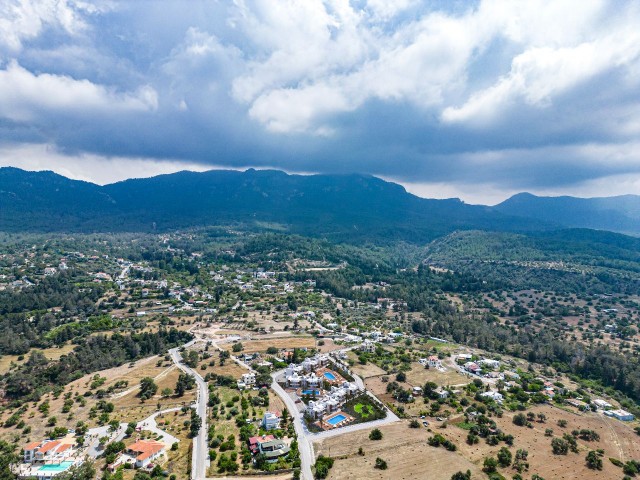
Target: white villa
<point x="247" y="380"/>
<point x="488" y="362"/>
<point x="270" y="421"/>
<point x="332" y="400"/>
<point x="47" y="451"/>
<point x="314" y="362"/>
<point x="367" y="346"/>
<point x="432" y="362"/>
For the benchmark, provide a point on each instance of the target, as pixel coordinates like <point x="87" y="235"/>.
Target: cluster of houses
<point x="610" y="411"/>
<point x="303" y="375"/>
<point x="332" y="400"/>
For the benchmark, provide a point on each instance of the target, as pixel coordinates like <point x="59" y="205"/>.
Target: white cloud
<point x="23" y="20"/>
<point x="93" y="168"/>
<point x="24" y="95"/>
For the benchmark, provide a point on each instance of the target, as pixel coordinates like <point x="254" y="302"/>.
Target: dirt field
<point x="329" y="346"/>
<point x="418" y="376"/>
<point x="365" y="371"/>
<point x="617" y="439"/>
<point x="294" y="341"/>
<point x="405" y="451"/>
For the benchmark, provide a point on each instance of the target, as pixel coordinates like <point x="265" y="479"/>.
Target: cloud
<point x="24" y="20"/>
<point x="500" y="94"/>
<point x="89" y="167"/>
<point x="24" y="95"/>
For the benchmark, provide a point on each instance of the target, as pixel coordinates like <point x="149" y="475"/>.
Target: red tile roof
<point x="145" y="448"/>
<point x="48" y="446"/>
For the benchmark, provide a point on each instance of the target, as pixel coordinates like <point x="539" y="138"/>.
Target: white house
<point x="493" y="396"/>
<point x="270" y="420"/>
<point x="367" y="346"/>
<point x="489" y="362"/>
<point x="47" y="451"/>
<point x="602" y="405"/>
<point x="620" y="415"/>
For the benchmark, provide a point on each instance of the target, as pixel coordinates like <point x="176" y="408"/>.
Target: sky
<point x="471" y="99"/>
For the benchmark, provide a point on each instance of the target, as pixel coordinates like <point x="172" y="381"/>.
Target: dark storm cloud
<point x="535" y="96"/>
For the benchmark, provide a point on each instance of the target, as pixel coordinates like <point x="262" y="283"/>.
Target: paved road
<point x="305" y="446"/>
<point x="150" y="424"/>
<point x="94" y="435"/>
<point x="306" y="438"/>
<point x="199" y="461"/>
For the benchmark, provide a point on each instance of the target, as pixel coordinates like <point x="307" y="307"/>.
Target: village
<point x="276" y="372"/>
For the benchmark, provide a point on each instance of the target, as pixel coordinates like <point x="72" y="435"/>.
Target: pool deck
<point x="325" y="425"/>
<point x="337" y="377"/>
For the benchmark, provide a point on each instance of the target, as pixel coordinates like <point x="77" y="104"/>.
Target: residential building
<point x="271" y="420"/>
<point x="253" y="442"/>
<point x="145" y="452"/>
<point x="493" y="396"/>
<point x="620" y="415"/>
<point x="273" y="449"/>
<point x="47" y="451"/>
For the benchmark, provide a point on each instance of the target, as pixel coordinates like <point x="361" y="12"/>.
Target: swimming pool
<point x="311" y="392"/>
<point x="329" y="376"/>
<point x="55" y="467"/>
<point x="336" y="419"/>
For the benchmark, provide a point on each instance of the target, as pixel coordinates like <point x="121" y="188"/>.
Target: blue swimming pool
<point x="337" y="419"/>
<point x="55" y="467"/>
<point x="329" y="376"/>
<point x="311" y="392"/>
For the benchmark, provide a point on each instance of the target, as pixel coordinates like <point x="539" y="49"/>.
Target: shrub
<point x="375" y="434"/>
<point x="594" y="462"/>
<point x="380" y="464"/>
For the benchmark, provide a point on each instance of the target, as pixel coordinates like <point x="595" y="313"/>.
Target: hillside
<point x="618" y="214"/>
<point x="341" y="207"/>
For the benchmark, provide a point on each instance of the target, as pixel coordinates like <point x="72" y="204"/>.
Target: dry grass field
<point x="280" y="342"/>
<point x="405" y="450"/>
<point x="418" y="376"/>
<point x="616" y="438"/>
<point x="51" y="353"/>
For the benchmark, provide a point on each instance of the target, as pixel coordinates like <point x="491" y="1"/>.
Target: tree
<point x="148" y="388"/>
<point x="380" y="464"/>
<point x="461" y="475"/>
<point x="375" y="434"/>
<point x="520" y="463"/>
<point x="504" y="457"/>
<point x="237" y="347"/>
<point x="323" y="465"/>
<point x="196" y="423"/>
<point x="185" y="382"/>
<point x="594" y="461"/>
<point x="520" y="419"/>
<point x="166" y="392"/>
<point x="414" y="424"/>
<point x="559" y="446"/>
<point x="490" y="465"/>
<point x="7" y="457"/>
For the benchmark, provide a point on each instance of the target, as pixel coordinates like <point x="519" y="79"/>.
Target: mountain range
<point x="340" y="207"/>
